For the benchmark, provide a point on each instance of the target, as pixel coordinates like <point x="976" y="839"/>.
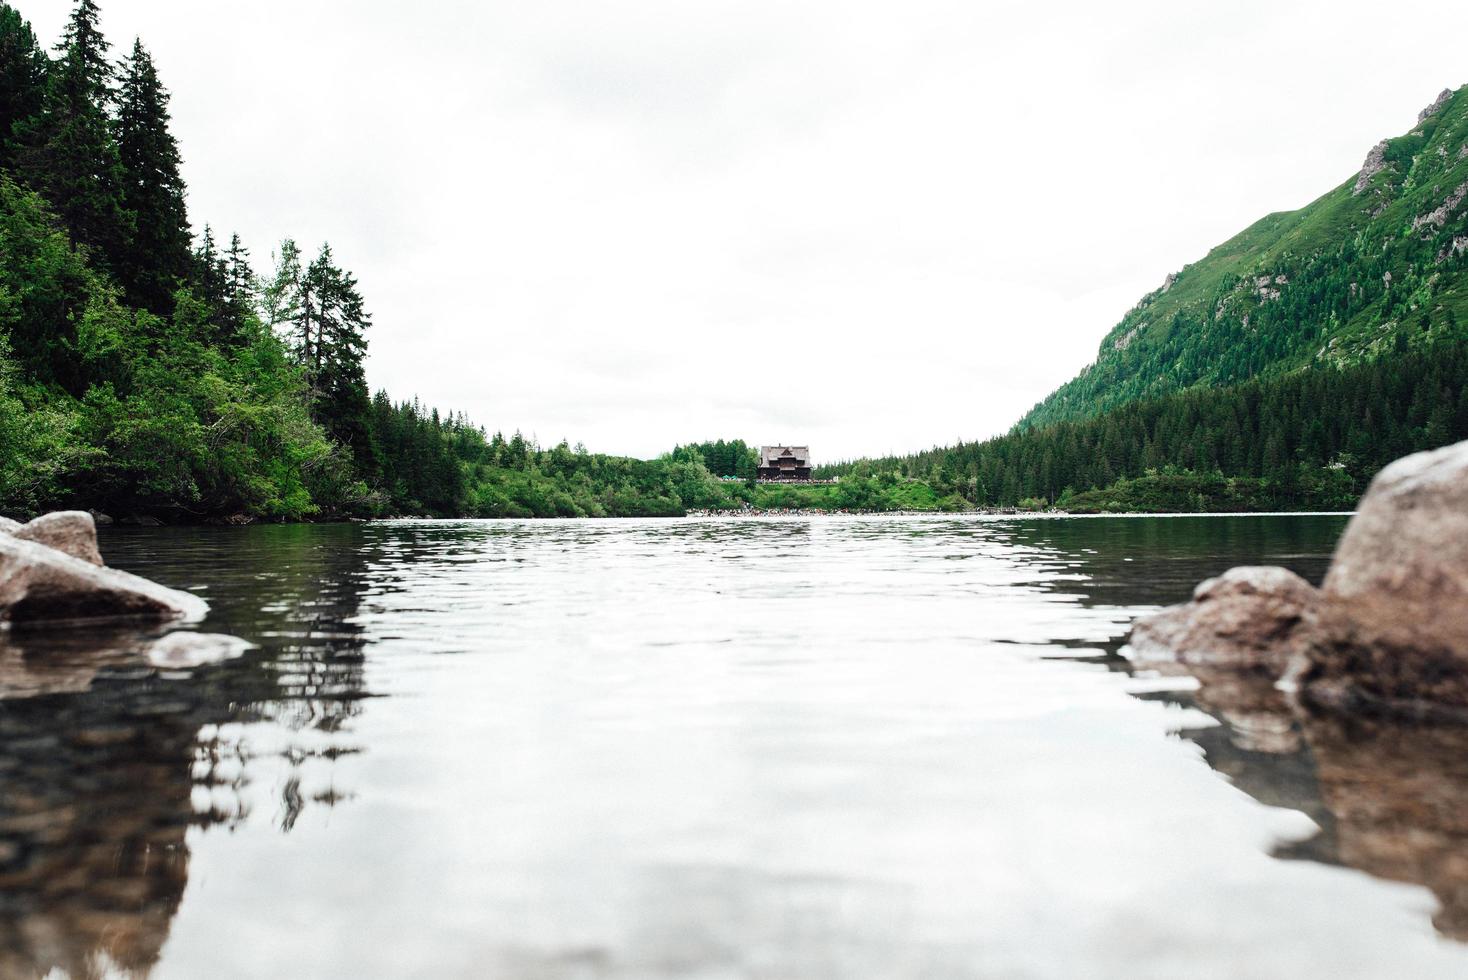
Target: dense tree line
<point x="1310" y="439"/>
<point x="733" y="458"/>
<point x="147" y="371"/>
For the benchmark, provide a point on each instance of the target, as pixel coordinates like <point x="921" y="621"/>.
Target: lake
<point x="788" y="748"/>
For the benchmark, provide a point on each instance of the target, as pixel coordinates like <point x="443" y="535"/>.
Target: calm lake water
<point x="868" y="747"/>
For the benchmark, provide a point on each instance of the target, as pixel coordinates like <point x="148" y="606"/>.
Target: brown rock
<point x="1395" y="612"/>
<point x="39" y="584"/>
<point x="1246" y="617"/>
<point x="71" y="531"/>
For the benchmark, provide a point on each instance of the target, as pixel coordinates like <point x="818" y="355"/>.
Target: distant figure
<point x="784" y="463"/>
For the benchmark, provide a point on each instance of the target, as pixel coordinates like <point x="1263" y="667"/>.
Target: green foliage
<point x="1347" y="279"/>
<point x="116" y="408"/>
<point x="155" y="259"/>
<point x="732" y="459"/>
<point x="141" y="375"/>
<point x="1310" y="440"/>
<point x="22" y="79"/>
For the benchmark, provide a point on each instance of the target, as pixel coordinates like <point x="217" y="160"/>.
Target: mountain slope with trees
<point x="1279" y="372"/>
<point x="1377" y="266"/>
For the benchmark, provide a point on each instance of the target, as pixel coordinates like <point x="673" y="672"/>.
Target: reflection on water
<point x="868" y="747"/>
<point x="1390" y="799"/>
<point x="106" y="762"/>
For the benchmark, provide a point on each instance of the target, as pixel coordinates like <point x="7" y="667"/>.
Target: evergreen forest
<point x="156" y="371"/>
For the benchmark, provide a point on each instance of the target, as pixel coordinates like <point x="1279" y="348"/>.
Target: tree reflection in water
<point x="106" y="763"/>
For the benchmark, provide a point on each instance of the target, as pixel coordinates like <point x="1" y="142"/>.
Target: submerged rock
<point x="39" y="583"/>
<point x="71" y="531"/>
<point x="1246" y="617"/>
<point x="182" y="649"/>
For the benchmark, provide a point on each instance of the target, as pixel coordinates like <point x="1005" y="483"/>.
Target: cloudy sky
<point x="864" y="227"/>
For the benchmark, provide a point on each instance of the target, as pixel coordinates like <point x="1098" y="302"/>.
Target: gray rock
<point x="1438" y="103"/>
<point x="1395" y="611"/>
<point x="7" y="526"/>
<point x="100" y="519"/>
<point x="140" y="520"/>
<point x="71" y="531"/>
<point x="1246" y="617"/>
<point x="41" y="584"/>
<point x="183" y="649"/>
<point x="1375" y="163"/>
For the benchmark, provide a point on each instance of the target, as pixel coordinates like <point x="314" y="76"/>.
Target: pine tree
<point x="280" y="297"/>
<point x="326" y="323"/>
<point x="22" y="79"/>
<point x="156" y="257"/>
<point x="70" y="155"/>
<point x="209" y="277"/>
<point x="239" y="292"/>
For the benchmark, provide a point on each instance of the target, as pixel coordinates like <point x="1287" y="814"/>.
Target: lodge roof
<point x="771" y="455"/>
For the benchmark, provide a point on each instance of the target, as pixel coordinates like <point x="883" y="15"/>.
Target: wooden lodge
<point x="784" y="463"/>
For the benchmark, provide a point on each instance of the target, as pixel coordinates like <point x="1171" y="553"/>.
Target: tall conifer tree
<point x="72" y="158"/>
<point x="156" y="257"/>
<point x="239" y="292"/>
<point x="334" y="343"/>
<point x="22" y="79"/>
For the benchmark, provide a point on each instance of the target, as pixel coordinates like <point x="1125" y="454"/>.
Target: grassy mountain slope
<point x="1375" y="267"/>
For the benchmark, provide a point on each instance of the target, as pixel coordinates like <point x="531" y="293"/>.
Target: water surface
<point x="868" y="747"/>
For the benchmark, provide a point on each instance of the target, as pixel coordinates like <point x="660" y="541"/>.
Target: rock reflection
<point x="1391" y="799"/>
<point x="109" y="757"/>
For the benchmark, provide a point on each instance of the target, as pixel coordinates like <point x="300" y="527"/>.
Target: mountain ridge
<point x="1346" y="278"/>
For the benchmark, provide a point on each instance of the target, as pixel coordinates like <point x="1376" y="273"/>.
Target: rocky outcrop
<point x="1388" y="630"/>
<point x="1439" y="215"/>
<point x="1438" y="103"/>
<point x="1375" y="163"/>
<point x="1246" y="617"/>
<point x="40" y="583"/>
<point x="70" y="531"/>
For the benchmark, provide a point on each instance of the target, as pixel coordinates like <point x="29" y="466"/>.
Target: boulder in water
<point x="71" y="531"/>
<point x="1246" y="617"/>
<point x="1388" y="630"/>
<point x="40" y="584"/>
<point x="1395" y="612"/>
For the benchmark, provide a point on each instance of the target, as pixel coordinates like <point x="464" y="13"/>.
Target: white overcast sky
<point x="864" y="227"/>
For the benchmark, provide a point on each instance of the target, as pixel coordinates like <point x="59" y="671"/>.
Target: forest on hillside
<point x="1375" y="267"/>
<point x="149" y="371"/>
<point x="1309" y="440"/>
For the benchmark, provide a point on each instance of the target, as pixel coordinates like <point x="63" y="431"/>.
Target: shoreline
<point x="754" y="513"/>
